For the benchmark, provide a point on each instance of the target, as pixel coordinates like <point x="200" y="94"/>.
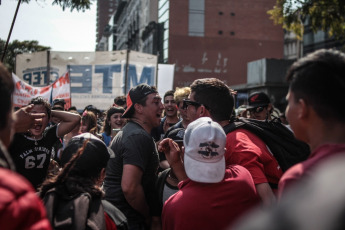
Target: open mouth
<point x="170" y="109"/>
<point x="37" y="127"/>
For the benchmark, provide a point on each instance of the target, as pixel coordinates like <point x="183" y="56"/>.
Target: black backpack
<point x="80" y="212"/>
<point x="287" y="150"/>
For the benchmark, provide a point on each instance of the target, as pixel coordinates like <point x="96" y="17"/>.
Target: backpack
<point x="76" y="212"/>
<point x="282" y="143"/>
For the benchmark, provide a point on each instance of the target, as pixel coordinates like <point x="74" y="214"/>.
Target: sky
<point x="50" y="25"/>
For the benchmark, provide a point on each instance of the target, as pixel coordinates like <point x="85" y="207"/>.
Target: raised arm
<point x="68" y="121"/>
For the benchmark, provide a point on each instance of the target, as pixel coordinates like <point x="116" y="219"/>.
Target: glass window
<point x="165" y="55"/>
<point x="319" y="36"/>
<point x="196" y="25"/>
<point x="162" y="3"/>
<point x="308" y="38"/>
<point x="164" y="17"/>
<point x="164" y="7"/>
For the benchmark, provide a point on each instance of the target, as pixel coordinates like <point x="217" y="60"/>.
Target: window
<point x="163" y="17"/>
<point x="196" y="18"/>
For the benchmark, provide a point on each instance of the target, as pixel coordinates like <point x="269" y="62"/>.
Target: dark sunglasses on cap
<point x="187" y="102"/>
<point x="257" y="109"/>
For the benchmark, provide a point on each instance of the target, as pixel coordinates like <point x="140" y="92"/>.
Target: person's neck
<point x="326" y="134"/>
<point x="185" y="123"/>
<point x="142" y="123"/>
<point x="172" y="119"/>
<point x="223" y="123"/>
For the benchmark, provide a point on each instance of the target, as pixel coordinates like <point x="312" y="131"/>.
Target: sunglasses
<point x="187" y="102"/>
<point x="257" y="109"/>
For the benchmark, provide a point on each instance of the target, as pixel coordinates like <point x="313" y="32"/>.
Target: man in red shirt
<point x="211" y="195"/>
<point x="211" y="97"/>
<point x="315" y="110"/>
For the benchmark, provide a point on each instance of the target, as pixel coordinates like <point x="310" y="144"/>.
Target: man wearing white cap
<point x="210" y="196"/>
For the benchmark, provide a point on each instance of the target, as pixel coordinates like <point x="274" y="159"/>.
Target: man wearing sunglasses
<point x="211" y="97"/>
<point x="259" y="106"/>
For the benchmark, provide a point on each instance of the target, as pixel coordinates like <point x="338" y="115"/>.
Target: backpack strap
<point x="116" y="215"/>
<point x="160" y="182"/>
<point x="233" y="125"/>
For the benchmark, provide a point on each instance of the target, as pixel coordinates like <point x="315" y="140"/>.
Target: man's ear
<point x="138" y="108"/>
<point x="303" y="109"/>
<point x="204" y="112"/>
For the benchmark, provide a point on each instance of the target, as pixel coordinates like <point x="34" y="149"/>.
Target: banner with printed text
<point x="96" y="78"/>
<point x="24" y="92"/>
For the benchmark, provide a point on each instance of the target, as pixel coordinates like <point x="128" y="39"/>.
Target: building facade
<point x="203" y="38"/>
<point x="135" y="23"/>
<point x="313" y="41"/>
<point x="105" y="10"/>
<point x="206" y="38"/>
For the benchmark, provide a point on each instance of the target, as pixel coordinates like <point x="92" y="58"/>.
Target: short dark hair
<point x="215" y="95"/>
<point x="41" y="101"/>
<point x="120" y="101"/>
<point x="72" y="108"/>
<point x="319" y="79"/>
<point x="6" y="91"/>
<point x="168" y="93"/>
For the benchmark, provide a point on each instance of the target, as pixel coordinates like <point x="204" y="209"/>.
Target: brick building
<point x="207" y="38"/>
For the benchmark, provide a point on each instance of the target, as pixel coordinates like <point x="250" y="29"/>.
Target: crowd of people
<point x="172" y="163"/>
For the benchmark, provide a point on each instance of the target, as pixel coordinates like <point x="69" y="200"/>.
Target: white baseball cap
<point x="204" y="144"/>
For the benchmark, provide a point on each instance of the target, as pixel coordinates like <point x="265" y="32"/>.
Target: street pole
<point x="127" y="69"/>
<point x="9" y="34"/>
<point x="48" y="67"/>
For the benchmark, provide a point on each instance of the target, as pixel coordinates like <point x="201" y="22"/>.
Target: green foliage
<point x="72" y="4"/>
<point x="18" y="47"/>
<point x="326" y="15"/>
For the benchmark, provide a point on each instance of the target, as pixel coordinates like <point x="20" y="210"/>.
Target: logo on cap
<point x="253" y="99"/>
<point x="208" y="149"/>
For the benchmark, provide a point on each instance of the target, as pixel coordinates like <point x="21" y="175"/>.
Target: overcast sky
<point x="50" y="25"/>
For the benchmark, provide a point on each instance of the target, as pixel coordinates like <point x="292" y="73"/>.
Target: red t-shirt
<point x="246" y="149"/>
<point x="306" y="168"/>
<point x="210" y="206"/>
<point x="109" y="223"/>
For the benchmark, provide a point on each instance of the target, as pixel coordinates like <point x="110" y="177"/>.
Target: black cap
<point x="134" y="96"/>
<point x="176" y="134"/>
<point x="94" y="157"/>
<point x="258" y="99"/>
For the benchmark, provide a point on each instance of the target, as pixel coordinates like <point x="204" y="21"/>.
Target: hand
<point x="171" y="150"/>
<point x="24" y="119"/>
<point x="174" y="156"/>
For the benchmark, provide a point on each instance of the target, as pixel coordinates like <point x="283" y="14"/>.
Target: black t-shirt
<point x="31" y="160"/>
<point x="134" y="146"/>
